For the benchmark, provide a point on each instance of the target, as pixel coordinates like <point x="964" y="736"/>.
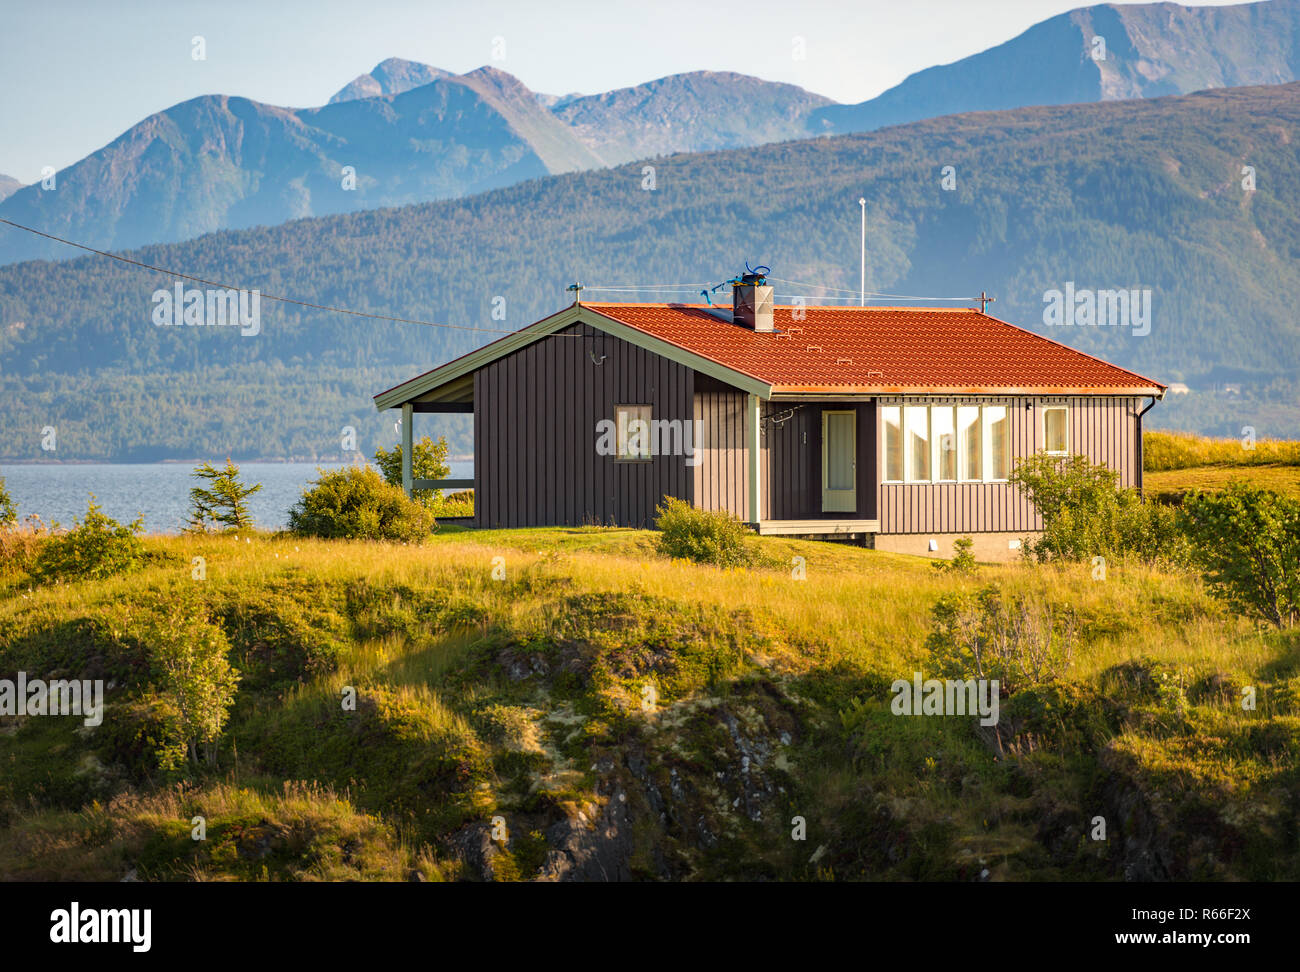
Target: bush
<point x="1018" y="640"/>
<point x="185" y="695"/>
<point x="429" y="462"/>
<point x="963" y="561"/>
<point x="703" y="536"/>
<point x="96" y="547"/>
<point x="221" y="502"/>
<point x="460" y="503"/>
<point x="355" y="503"/>
<point x="8" y="509"/>
<point x="194" y="679"/>
<point x="1085" y="514"/>
<point x="1248" y="541"/>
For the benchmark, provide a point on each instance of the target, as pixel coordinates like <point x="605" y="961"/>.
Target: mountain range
<point x="218" y="162"/>
<point x="407" y="132"/>
<point x="8" y="186"/>
<point x="1108" y="52"/>
<point x="1144" y="194"/>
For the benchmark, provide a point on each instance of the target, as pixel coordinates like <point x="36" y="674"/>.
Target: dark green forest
<point x="1145" y="194"/>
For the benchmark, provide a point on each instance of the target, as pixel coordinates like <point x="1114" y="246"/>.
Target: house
<point x="893" y="426"/>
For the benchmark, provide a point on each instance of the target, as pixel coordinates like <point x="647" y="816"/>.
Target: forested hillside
<point x="1144" y="194"/>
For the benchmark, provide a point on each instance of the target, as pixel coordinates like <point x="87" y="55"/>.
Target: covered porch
<point x="815" y="473"/>
<point x="454" y="399"/>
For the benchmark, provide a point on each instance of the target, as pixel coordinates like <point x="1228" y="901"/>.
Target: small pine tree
<point x="221" y="502"/>
<point x="963" y="561"/>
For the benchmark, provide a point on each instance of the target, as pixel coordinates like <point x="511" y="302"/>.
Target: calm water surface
<point x="161" y="491"/>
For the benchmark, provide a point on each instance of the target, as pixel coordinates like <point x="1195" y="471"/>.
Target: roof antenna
<point x="577" y="289"/>
<point x="984" y="298"/>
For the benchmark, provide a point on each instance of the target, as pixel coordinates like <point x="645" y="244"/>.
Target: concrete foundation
<point x="992" y="547"/>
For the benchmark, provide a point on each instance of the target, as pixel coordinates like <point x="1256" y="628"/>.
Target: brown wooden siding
<point x="536" y="410"/>
<point x="1103" y="429"/>
<point x="721" y="480"/>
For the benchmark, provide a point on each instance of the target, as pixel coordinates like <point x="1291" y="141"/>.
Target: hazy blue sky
<point x="75" y="75"/>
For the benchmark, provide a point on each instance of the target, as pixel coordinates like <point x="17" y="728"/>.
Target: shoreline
<point x="340" y="460"/>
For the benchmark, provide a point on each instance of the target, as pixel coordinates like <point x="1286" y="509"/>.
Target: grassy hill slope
<point x="524" y="699"/>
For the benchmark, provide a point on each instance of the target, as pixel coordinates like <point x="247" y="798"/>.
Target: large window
<point x="968" y="424"/>
<point x="943" y="431"/>
<point x="946" y="443"/>
<point x="1056" y="436"/>
<point x="893" y="444"/>
<point x="916" y="431"/>
<point x="634" y="439"/>
<point x="996" y="440"/>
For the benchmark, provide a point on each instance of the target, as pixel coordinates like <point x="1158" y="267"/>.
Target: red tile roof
<point x="882" y="350"/>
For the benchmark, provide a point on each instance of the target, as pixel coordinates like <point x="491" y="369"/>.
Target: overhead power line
<point x="855" y="293"/>
<point x="283" y="300"/>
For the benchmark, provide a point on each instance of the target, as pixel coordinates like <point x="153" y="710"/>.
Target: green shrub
<point x="460" y="503"/>
<point x="8" y="509"/>
<point x="1085" y="514"/>
<point x="963" y="561"/>
<point x="702" y="536"/>
<point x="96" y="547"/>
<point x="1248" y="541"/>
<point x="429" y="462"/>
<point x="180" y="705"/>
<point x="221" y="502"/>
<point x="1018" y="639"/>
<point x="189" y="659"/>
<point x="356" y="503"/>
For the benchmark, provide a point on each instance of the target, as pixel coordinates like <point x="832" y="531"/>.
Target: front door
<point x="839" y="462"/>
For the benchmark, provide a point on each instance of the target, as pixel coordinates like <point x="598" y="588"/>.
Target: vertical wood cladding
<point x="792" y="460"/>
<point x="721" y="480"/>
<point x="536" y="411"/>
<point x="1103" y="429"/>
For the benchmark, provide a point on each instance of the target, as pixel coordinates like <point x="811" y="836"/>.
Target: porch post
<point x="408" y="439"/>
<point x="754" y="454"/>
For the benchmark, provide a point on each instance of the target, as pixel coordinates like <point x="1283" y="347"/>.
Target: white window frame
<point x="934" y="445"/>
<point x="1042" y="428"/>
<point x="986" y="442"/>
<point x="961" y="444"/>
<point x="907" y="448"/>
<point x="884" y="445"/>
<point x="624" y="416"/>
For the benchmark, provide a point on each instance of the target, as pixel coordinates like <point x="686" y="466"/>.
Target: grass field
<point x="1179" y="450"/>
<point x="600" y="706"/>
<point x="1171" y="485"/>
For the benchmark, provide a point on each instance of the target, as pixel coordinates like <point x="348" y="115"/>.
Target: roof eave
<point x="1039" y="390"/>
<point x="410" y="390"/>
<point x="421" y="385"/>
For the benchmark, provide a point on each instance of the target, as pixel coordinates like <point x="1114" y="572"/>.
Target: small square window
<point x="634" y="433"/>
<point x="1056" y="438"/>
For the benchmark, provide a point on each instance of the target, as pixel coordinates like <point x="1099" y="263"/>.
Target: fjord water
<point x="161" y="491"/>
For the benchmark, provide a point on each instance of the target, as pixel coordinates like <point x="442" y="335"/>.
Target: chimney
<point x="751" y="302"/>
